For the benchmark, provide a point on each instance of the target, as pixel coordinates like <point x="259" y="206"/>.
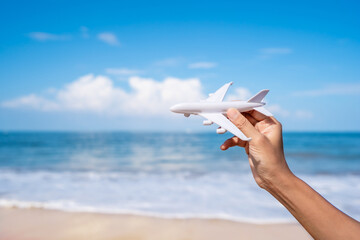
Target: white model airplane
<point x="214" y="110"/>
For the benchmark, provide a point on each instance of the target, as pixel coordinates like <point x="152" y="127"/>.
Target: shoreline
<point x="35" y="223"/>
<point x="14" y="204"/>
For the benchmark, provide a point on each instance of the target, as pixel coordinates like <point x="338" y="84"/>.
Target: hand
<point x="271" y="172"/>
<point x="264" y="150"/>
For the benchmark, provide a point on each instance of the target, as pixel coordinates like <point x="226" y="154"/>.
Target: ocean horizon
<point x="168" y="174"/>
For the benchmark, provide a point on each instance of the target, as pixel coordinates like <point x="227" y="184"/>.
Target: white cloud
<point x="335" y="89"/>
<point x="88" y="93"/>
<point x="202" y="65"/>
<point x="156" y="97"/>
<point x="43" y="36"/>
<point x="30" y="101"/>
<point x="108" y="38"/>
<point x="240" y="94"/>
<point x="276" y="109"/>
<point x="122" y="71"/>
<point x="98" y="94"/>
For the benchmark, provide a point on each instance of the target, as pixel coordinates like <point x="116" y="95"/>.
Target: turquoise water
<point x="168" y="174"/>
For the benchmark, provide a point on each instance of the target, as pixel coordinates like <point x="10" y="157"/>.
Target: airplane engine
<point x="207" y="122"/>
<point x="187" y="114"/>
<point x="220" y="130"/>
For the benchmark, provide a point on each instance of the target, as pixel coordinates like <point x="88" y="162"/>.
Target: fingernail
<point x="233" y="113"/>
<point x="222" y="147"/>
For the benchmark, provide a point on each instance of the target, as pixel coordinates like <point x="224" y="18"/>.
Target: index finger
<point x="257" y="115"/>
<point x="242" y="123"/>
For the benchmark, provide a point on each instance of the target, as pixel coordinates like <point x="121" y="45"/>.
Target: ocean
<point x="171" y="175"/>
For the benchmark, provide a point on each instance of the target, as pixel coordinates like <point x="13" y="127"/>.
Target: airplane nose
<point x="178" y="108"/>
<point x="174" y="108"/>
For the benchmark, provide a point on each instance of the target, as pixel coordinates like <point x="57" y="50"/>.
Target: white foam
<point x="72" y="207"/>
<point x="177" y="195"/>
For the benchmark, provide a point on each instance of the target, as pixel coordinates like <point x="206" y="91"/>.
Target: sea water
<point x="173" y="175"/>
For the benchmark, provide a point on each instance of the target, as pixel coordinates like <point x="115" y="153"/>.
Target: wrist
<point x="281" y="181"/>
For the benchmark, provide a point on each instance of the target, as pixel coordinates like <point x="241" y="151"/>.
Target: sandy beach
<point x="26" y="224"/>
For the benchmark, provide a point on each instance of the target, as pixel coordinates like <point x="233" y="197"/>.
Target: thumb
<point x="242" y="123"/>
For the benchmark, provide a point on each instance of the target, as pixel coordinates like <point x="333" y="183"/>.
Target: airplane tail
<point x="258" y="99"/>
<point x="259" y="96"/>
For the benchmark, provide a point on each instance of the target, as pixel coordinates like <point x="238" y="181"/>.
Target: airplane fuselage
<point x="214" y="107"/>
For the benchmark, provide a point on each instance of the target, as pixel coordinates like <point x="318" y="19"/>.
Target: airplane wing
<point x="219" y="95"/>
<point x="225" y="123"/>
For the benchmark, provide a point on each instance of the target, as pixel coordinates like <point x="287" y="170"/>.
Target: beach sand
<point x="51" y="224"/>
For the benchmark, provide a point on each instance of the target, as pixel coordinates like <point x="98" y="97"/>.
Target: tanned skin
<point x="267" y="161"/>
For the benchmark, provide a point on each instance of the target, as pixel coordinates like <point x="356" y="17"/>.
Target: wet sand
<point x="40" y="224"/>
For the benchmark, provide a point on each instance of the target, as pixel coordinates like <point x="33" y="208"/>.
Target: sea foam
<point x="171" y="175"/>
<point x="182" y="195"/>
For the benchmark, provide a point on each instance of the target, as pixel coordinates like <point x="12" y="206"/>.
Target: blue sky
<point x="116" y="65"/>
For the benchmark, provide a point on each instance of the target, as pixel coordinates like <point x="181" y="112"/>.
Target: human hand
<point x="264" y="150"/>
<point x="271" y="172"/>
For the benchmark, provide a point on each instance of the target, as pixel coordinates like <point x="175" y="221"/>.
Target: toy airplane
<point x="214" y="110"/>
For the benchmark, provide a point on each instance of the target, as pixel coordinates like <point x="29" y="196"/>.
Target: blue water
<point x="168" y="174"/>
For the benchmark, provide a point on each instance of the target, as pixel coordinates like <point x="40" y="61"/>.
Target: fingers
<point x="242" y="123"/>
<point x="252" y="120"/>
<point x="231" y="142"/>
<point x="275" y="120"/>
<point x="257" y="115"/>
